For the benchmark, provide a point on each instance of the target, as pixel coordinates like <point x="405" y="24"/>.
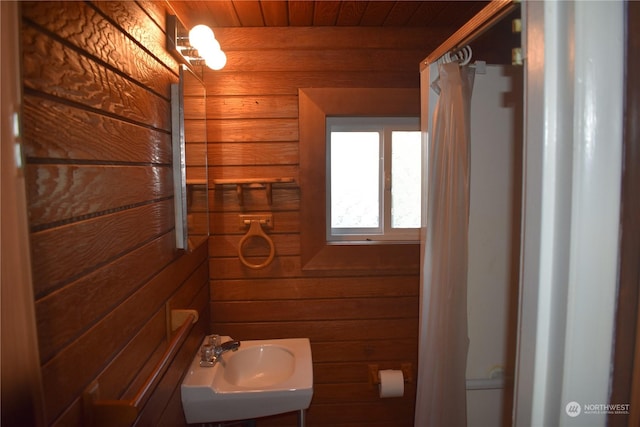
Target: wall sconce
<point x="196" y="47"/>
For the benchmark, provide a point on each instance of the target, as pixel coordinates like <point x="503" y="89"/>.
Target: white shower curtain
<point x="441" y="388"/>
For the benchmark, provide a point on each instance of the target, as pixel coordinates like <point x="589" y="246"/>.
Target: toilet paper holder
<point x="406" y="368"/>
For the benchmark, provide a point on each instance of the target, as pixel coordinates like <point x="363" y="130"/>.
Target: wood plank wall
<point x="97" y="122"/>
<point x="253" y="130"/>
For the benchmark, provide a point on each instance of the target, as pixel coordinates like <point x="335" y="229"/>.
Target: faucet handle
<point x="214" y="340"/>
<point x="206" y="353"/>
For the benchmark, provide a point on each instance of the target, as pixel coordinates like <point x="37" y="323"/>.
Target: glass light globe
<point x="209" y="49"/>
<point x="200" y="36"/>
<point x="216" y="60"/>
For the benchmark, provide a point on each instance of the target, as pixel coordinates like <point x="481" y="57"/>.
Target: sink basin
<point x="259" y="366"/>
<point x="261" y="378"/>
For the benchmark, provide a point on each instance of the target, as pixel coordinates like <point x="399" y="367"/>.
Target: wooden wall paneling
<point x="320" y="39"/>
<point x="196" y="154"/>
<point x="353" y="318"/>
<point x="224" y="199"/>
<point x="253" y="153"/>
<point x="313" y="287"/>
<point x="63" y="192"/>
<point x="70" y="251"/>
<point x="323" y="330"/>
<point x="193" y="295"/>
<point x="165" y="406"/>
<point x="65" y="21"/>
<point x="241" y="130"/>
<point x="253" y="171"/>
<point x="89" y="84"/>
<point x="96" y="78"/>
<point x="320" y="309"/>
<point x="386" y="349"/>
<point x="68" y="373"/>
<point x="197" y="173"/>
<point x="281" y="83"/>
<point x="358" y="60"/>
<point x="62" y="316"/>
<point x="226" y="246"/>
<point x="133" y="364"/>
<point x="194" y="103"/>
<point x="71" y="133"/>
<point x="144" y="22"/>
<point x="357" y="392"/>
<point x="232" y="268"/>
<point x="253" y="107"/>
<point x="283" y="222"/>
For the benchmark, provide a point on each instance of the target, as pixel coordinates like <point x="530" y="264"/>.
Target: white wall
<point x="491" y="247"/>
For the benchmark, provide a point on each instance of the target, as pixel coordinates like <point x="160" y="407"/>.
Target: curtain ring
<point x="255" y="229"/>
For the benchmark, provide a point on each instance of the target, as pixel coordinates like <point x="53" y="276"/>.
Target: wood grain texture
<point x="253" y="153"/>
<point x="353" y="317"/>
<point x="275" y="13"/>
<point x="144" y="23"/>
<point x="77" y="78"/>
<point x="358" y="60"/>
<point x="313" y="288"/>
<point x="65" y="375"/>
<point x="98" y="148"/>
<point x="291" y="14"/>
<point x="300" y="12"/>
<point x="64" y="315"/>
<point x="252" y="130"/>
<point x="281" y="83"/>
<point x="318" y="331"/>
<point x="82" y="26"/>
<point x="253" y="107"/>
<point x="250" y="12"/>
<point x="70" y="133"/>
<point x="65" y="192"/>
<point x="351" y="13"/>
<point x="223" y="198"/>
<point x="73" y="250"/>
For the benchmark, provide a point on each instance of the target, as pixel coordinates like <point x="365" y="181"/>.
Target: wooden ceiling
<point x="284" y="13"/>
<point x="442" y="17"/>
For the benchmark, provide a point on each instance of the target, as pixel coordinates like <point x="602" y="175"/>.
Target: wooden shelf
<point x="253" y="183"/>
<point x="196" y="181"/>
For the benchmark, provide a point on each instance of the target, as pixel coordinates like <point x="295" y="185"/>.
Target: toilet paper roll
<point x="391" y="383"/>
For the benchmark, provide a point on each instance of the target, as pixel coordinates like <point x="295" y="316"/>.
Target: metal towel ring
<point x="255" y="230"/>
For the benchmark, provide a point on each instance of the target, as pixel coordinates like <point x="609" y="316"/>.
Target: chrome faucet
<point x="211" y="352"/>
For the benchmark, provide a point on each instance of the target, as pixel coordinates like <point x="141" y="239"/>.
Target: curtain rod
<point x="480" y="23"/>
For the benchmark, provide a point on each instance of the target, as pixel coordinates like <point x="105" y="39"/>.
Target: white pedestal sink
<point x="261" y="378"/>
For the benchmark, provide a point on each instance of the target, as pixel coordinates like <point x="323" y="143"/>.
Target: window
<point x="317" y="254"/>
<point x="373" y="178"/>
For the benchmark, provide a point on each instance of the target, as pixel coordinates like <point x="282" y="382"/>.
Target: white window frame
<point x="384" y="233"/>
